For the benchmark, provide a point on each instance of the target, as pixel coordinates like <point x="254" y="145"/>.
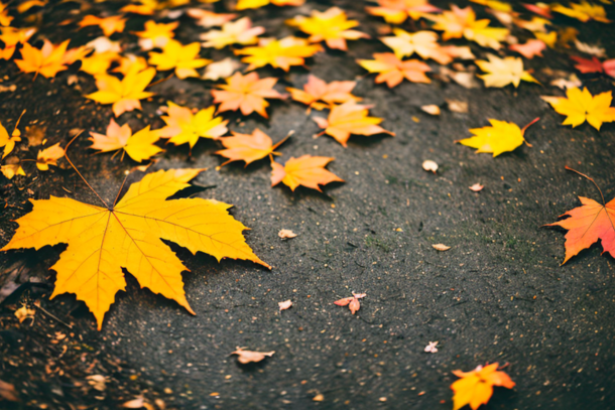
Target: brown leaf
<point x="431" y="109"/>
<point x="35" y="135"/>
<point x="354" y="305"/>
<point x="441" y="247"/>
<point x="457" y="106"/>
<point x="287" y="234"/>
<point x="24" y="313"/>
<point x="247" y="356"/>
<point x="8" y="392"/>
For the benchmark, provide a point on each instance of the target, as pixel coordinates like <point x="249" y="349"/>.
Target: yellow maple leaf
<point x="331" y="26"/>
<point x="185" y="127"/>
<point x="581" y="106"/>
<point x="255" y="4"/>
<point x="392" y="70"/>
<point x="549" y="39"/>
<point x="316" y="90"/>
<point x="49" y="156"/>
<point x="475" y="388"/>
<point x="583" y="11"/>
<point x="109" y="25"/>
<point x="130" y="62"/>
<point x="246" y="93"/>
<point x="500" y="137"/>
<point x="8" y="141"/>
<point x="156" y="35"/>
<point x="9" y="171"/>
<point x="98" y="63"/>
<point x="139" y="146"/>
<point x="124" y="94"/>
<point x="397" y="11"/>
<point x="495" y="5"/>
<point x="179" y="57"/>
<point x="233" y="32"/>
<point x="503" y="71"/>
<point x="424" y="43"/>
<point x="283" y="53"/>
<point x="307" y="170"/>
<point x="47" y="61"/>
<point x="11" y="37"/>
<point x="104" y="240"/>
<point x="350" y="118"/>
<point x="5" y="19"/>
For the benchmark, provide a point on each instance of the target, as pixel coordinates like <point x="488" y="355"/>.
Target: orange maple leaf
<point x="530" y="49"/>
<point x="283" y="53"/>
<point x="109" y="25"/>
<point x="47" y="61"/>
<point x="7" y="142"/>
<point x="397" y="11"/>
<point x="184" y="126"/>
<point x="49" y="156"/>
<point x="392" y="70"/>
<point x="589" y="223"/>
<point x="183" y="58"/>
<point x="206" y="18"/>
<point x="248" y="147"/>
<point x="129" y="235"/>
<point x="234" y="32"/>
<point x="315" y="90"/>
<point x="475" y="388"/>
<point x="350" y="118"/>
<point x="306" y="170"/>
<point x="11" y="37"/>
<point x="352" y="302"/>
<point x="139" y="146"/>
<point x="246" y="93"/>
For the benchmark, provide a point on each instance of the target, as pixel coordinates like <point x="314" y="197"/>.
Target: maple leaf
<point x="350" y="118"/>
<point x="594" y="65"/>
<point x="541" y="9"/>
<point x="11" y="37"/>
<point x="500" y="137"/>
<point x="530" y="49"/>
<point x="109" y="25"/>
<point x="130" y="62"/>
<point x="550" y="39"/>
<point x="424" y="43"/>
<point x="139" y="146"/>
<point x="581" y="106"/>
<point x="587" y="224"/>
<point x="5" y="19"/>
<point x="156" y="35"/>
<point x="179" y="57"/>
<point x="49" y="156"/>
<point x="47" y="61"/>
<point x="503" y="71"/>
<point x="397" y="11"/>
<point x="206" y="18"/>
<point x="234" y="32"/>
<point x="246" y="93"/>
<point x="255" y="4"/>
<point x="185" y="127"/>
<point x="103" y="240"/>
<point x="475" y="388"/>
<point x="330" y="26"/>
<point x="306" y="170"/>
<point x="124" y="94"/>
<point x="535" y="24"/>
<point x="283" y="53"/>
<point x="221" y="69"/>
<point x="10" y="170"/>
<point x="315" y="90"/>
<point x="583" y="11"/>
<point x="8" y="141"/>
<point x="352" y="302"/>
<point x="248" y="356"/>
<point x="98" y="63"/>
<point x="248" y="147"/>
<point x="458" y="23"/>
<point x="392" y="70"/>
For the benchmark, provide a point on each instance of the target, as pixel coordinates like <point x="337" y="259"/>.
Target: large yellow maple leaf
<point x="283" y="53"/>
<point x="182" y="58"/>
<point x="581" y="106"/>
<point x="500" y="137"/>
<point x="128" y="235"/>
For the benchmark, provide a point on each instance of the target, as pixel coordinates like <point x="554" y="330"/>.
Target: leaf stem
<point x="591" y="179"/>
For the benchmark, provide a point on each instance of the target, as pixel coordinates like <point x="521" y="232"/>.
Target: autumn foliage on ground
<point x="119" y="68"/>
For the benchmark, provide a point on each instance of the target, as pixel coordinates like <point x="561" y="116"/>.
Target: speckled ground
<point x="499" y="294"/>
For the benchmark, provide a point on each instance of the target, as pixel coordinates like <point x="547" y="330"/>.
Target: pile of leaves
<point x="121" y="67"/>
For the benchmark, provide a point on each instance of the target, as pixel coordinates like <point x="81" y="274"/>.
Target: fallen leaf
<point x="316" y="90"/>
<point x="350" y="118"/>
<point x="109" y="25"/>
<point x="465" y="79"/>
<point x="530" y="49"/>
<point x="49" y="156"/>
<point x="254" y="4"/>
<point x="221" y="69"/>
<point x="589" y="49"/>
<point x="8" y="141"/>
<point x="47" y="61"/>
<point x="397" y="11"/>
<point x="8" y="392"/>
<point x="139" y="146"/>
<point x="424" y="43"/>
<point x="585" y="65"/>
<point x="24" y="313"/>
<point x="11" y="37"/>
<point x="284" y="53"/>
<point x="306" y="170"/>
<point x="392" y="70"/>
<point x="97" y="381"/>
<point x="564" y="83"/>
<point x="247" y="356"/>
<point x="206" y="18"/>
<point x="98" y="63"/>
<point x="124" y="94"/>
<point x="475" y="388"/>
<point x="430" y="166"/>
<point x="246" y="93"/>
<point x="318" y="398"/>
<point x="184" y="127"/>
<point x="285" y="305"/>
<point x="581" y="106"/>
<point x="156" y="35"/>
<point x="352" y="302"/>
<point x="129" y="236"/>
<point x="457" y="106"/>
<point x="431" y="109"/>
<point x="498" y="138"/>
<point x="431" y="347"/>
<point x="182" y="58"/>
<point x="542" y="9"/>
<point x="550" y="39"/>
<point x="138" y="403"/>
<point x="248" y="147"/>
<point x="330" y="26"/>
<point x="441" y="247"/>
<point x="583" y="11"/>
<point x="476" y="187"/>
<point x="501" y="72"/>
<point x="9" y="171"/>
<point x="287" y="234"/>
<point x="235" y="32"/>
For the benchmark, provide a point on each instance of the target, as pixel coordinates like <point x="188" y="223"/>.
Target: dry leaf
<point x="246" y="93"/>
<point x="182" y="58"/>
<point x="431" y="109"/>
<point x="235" y="32"/>
<point x="185" y="127"/>
<point x="476" y="387"/>
<point x="138" y="403"/>
<point x="8" y="392"/>
<point x="397" y="11"/>
<point x="24" y="313"/>
<point x="530" y="49"/>
<point x="248" y="147"/>
<point x="49" y="156"/>
<point x="128" y="235"/>
<point x="10" y="170"/>
<point x="501" y="72"/>
<point x="424" y="43"/>
<point x="221" y="69"/>
<point x="352" y="302"/>
<point x="564" y="83"/>
<point x="430" y="166"/>
<point x="316" y="90"/>
<point x="247" y="356"/>
<point x="206" y="18"/>
<point x="47" y="61"/>
<point x="583" y="12"/>
<point x="319" y="397"/>
<point x="465" y="78"/>
<point x="109" y="25"/>
<point x="284" y="53"/>
<point x="431" y="347"/>
<point x="8" y="141"/>
<point x="287" y="234"/>
<point x="350" y="118"/>
<point x="285" y="305"/>
<point x="581" y="106"/>
<point x="254" y="4"/>
<point x="97" y="381"/>
<point x="457" y="106"/>
<point x="441" y="247"/>
<point x="11" y="37"/>
<point x="156" y="35"/>
<point x="589" y="49"/>
<point x="392" y="70"/>
<point x="139" y="146"/>
<point x="306" y="170"/>
<point x="476" y="187"/>
<point x="498" y="138"/>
